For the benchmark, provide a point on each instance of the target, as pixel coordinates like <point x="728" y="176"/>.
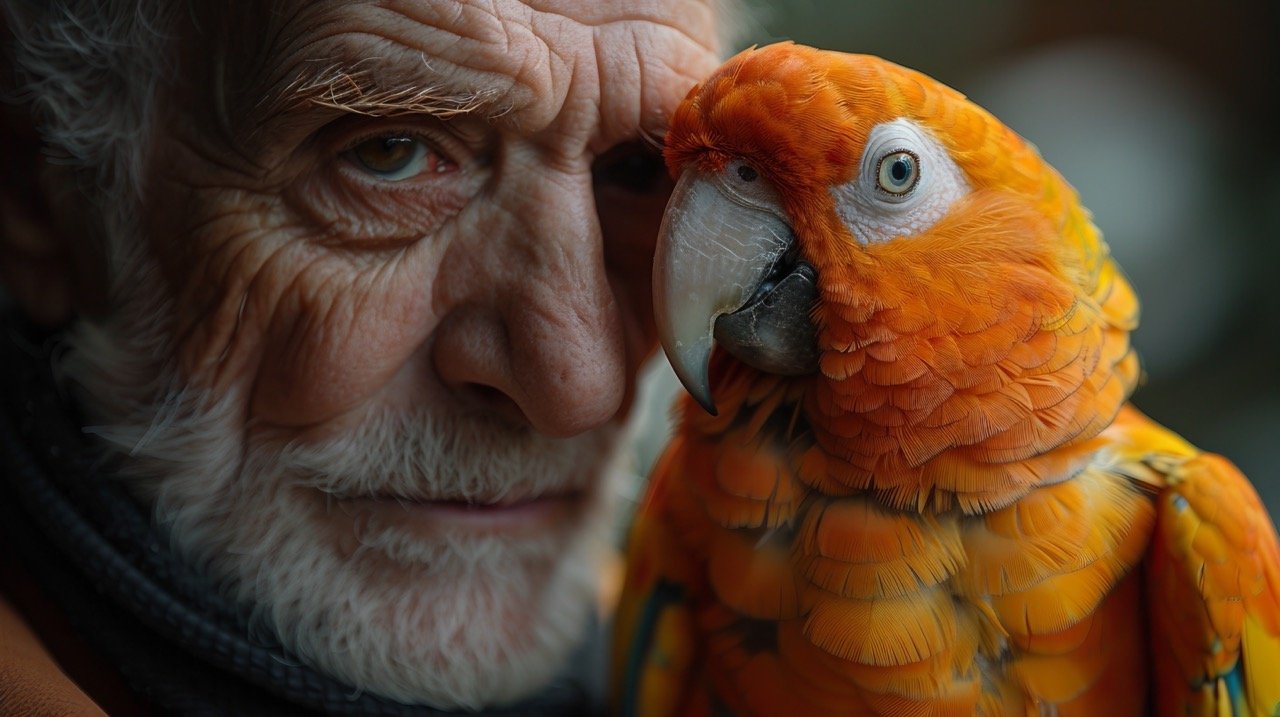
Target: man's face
<point x="405" y="251"/>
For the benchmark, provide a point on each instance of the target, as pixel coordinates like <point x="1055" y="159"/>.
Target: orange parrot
<point x="917" y="487"/>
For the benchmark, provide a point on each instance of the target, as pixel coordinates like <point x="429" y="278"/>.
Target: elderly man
<point x="349" y="299"/>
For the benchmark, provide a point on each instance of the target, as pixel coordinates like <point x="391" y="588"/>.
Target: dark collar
<point x="177" y="642"/>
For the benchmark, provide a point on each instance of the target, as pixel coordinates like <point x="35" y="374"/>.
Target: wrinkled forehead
<point x="531" y="66"/>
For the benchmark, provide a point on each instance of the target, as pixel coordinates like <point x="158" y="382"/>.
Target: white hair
<point x="90" y="70"/>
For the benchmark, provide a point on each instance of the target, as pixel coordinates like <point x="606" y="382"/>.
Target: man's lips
<point x="508" y="513"/>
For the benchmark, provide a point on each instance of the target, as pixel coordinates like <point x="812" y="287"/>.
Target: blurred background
<point x="1165" y="121"/>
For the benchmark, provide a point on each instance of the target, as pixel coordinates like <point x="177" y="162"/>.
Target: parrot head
<point x="845" y="220"/>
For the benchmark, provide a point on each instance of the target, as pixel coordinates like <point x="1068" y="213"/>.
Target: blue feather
<point x="664" y="594"/>
<point x="1234" y="682"/>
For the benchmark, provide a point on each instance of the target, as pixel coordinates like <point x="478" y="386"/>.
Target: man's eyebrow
<point x="368" y="88"/>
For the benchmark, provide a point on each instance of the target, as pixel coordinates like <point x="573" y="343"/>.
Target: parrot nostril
<point x="785" y="265"/>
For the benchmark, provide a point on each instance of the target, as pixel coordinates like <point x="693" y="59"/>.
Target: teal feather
<point x="664" y="595"/>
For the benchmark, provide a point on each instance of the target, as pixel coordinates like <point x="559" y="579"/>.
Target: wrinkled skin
<point x="504" y="287"/>
<point x="494" y="285"/>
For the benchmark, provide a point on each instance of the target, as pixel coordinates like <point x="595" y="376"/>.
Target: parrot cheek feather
<point x="840" y="366"/>
<point x="894" y="373"/>
<point x="1002" y="388"/>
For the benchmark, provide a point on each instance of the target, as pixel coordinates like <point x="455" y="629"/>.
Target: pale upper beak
<point x="728" y="269"/>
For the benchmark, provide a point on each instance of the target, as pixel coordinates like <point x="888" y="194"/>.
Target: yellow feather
<point x="1261" y="667"/>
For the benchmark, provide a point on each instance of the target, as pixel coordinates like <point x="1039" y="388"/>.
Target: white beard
<point x="458" y="620"/>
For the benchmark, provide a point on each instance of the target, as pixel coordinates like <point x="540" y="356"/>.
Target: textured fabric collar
<point x="177" y="642"/>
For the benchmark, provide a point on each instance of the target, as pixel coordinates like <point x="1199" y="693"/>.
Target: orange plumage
<point x="958" y="513"/>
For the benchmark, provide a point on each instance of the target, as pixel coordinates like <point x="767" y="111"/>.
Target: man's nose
<point x="536" y="319"/>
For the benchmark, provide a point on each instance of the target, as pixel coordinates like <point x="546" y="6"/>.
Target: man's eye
<point x="632" y="167"/>
<point x="398" y="157"/>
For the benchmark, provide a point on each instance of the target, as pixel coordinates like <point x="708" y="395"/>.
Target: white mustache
<point x="420" y="456"/>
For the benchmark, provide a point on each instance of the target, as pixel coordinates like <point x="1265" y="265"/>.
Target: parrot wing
<point x="653" y="648"/>
<point x="1213" y="578"/>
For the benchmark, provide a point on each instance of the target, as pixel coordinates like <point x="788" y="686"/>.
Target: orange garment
<point x="45" y="668"/>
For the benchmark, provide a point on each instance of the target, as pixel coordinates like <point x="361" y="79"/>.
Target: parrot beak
<point x="727" y="270"/>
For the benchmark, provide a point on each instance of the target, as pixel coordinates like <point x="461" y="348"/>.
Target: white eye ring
<point x="898" y="172"/>
<point x="888" y="199"/>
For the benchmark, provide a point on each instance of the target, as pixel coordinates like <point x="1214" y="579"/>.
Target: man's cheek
<point x="305" y="332"/>
<point x="337" y="340"/>
<point x="227" y="276"/>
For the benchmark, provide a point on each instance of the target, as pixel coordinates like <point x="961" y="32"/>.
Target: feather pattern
<point x="959" y="513"/>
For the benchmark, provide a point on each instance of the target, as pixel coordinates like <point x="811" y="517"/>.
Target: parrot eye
<point x="893" y="195"/>
<point x="898" y="172"/>
<point x="747" y="173"/>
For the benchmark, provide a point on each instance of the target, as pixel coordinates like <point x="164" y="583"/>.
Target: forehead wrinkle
<point x="530" y="67"/>
<point x="503" y="39"/>
<point x="598" y="16"/>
